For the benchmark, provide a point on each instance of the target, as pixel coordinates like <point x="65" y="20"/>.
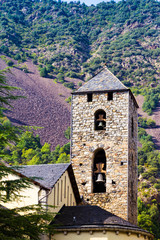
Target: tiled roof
<point x="89" y="217"/>
<point x="45" y="174"/>
<point x="103" y="81"/>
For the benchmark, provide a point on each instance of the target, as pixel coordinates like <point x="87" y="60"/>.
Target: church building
<point x="104" y="160"/>
<point x="96" y="194"/>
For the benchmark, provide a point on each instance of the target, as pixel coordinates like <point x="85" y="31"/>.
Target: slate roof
<point x="103" y="81"/>
<point x="45" y="174"/>
<point x="90" y="217"/>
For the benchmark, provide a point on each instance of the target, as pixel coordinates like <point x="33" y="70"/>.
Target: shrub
<point x="73" y="75"/>
<point x="145" y="185"/>
<point x="141" y="133"/>
<point x="10" y="63"/>
<point x="43" y="72"/>
<point x="144" y="122"/>
<point x="152" y="171"/>
<point x="157" y="185"/>
<point x="34" y="61"/>
<point x="25" y="68"/>
<point x="151" y="123"/>
<point x="60" y="77"/>
<point x="68" y="100"/>
<point x="127" y="83"/>
<point x="67" y="133"/>
<point x="150" y="101"/>
<point x="17" y="56"/>
<point x="140" y="169"/>
<point x="152" y="179"/>
<point x="49" y="68"/>
<point x="69" y="85"/>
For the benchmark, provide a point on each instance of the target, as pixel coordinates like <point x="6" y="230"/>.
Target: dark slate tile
<point x="85" y="216"/>
<point x="103" y="81"/>
<point x="45" y="174"/>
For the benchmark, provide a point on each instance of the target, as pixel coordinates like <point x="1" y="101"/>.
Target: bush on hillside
<point x="43" y="72"/>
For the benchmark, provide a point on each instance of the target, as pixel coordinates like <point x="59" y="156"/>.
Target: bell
<point x="100" y="178"/>
<point x="100" y="124"/>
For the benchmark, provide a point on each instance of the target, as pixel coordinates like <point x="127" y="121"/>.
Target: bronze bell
<point x="100" y="178"/>
<point x="100" y="124"/>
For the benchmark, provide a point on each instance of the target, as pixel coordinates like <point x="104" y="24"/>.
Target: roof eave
<point x="105" y="91"/>
<point x="100" y="91"/>
<point x="104" y="227"/>
<point x="30" y="179"/>
<point x="74" y="183"/>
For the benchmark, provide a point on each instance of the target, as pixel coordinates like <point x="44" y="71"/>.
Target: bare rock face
<point x="43" y="106"/>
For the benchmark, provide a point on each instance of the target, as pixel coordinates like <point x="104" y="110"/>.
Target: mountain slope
<point x="44" y="105"/>
<point x="77" y="40"/>
<point x="154" y="132"/>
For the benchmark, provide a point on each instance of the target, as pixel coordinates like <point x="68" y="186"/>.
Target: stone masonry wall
<point x="132" y="158"/>
<point x="114" y="141"/>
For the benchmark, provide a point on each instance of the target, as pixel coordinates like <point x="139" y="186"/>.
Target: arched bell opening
<point x="100" y="120"/>
<point x="99" y="171"/>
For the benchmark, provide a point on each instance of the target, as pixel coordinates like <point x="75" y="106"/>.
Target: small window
<point x="113" y="182"/>
<point x="110" y="96"/>
<point x="89" y="97"/>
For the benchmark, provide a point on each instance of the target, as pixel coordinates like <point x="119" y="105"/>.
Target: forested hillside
<point x="76" y="40"/>
<point x="68" y="44"/>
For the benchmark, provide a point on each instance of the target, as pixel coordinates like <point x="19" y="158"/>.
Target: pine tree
<point x="13" y="224"/>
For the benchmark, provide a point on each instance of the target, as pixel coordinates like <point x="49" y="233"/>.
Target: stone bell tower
<point x="104" y="144"/>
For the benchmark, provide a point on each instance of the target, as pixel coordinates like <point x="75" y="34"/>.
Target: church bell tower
<point x="104" y="144"/>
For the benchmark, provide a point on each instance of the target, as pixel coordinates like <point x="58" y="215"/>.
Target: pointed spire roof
<point x="103" y="81"/>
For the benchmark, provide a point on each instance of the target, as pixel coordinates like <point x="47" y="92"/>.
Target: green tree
<point x="63" y="158"/>
<point x="67" y="133"/>
<point x="43" y="72"/>
<point x="13" y="225"/>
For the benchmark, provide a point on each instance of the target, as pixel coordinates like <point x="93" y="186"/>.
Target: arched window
<point x="100" y="120"/>
<point x="99" y="171"/>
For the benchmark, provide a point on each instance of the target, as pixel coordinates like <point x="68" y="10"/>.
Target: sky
<point x="87" y="2"/>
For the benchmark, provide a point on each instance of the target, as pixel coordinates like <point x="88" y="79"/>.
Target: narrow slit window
<point x="89" y="97"/>
<point x="132" y="127"/>
<point x="113" y="182"/>
<point x="110" y="96"/>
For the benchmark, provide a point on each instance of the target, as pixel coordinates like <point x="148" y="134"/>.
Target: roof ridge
<point x="104" y="80"/>
<point x="115" y="77"/>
